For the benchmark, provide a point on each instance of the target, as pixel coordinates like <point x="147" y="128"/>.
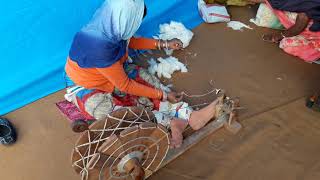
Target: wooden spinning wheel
<point x="124" y="146"/>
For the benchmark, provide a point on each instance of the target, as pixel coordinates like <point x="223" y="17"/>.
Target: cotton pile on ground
<point x="166" y="67"/>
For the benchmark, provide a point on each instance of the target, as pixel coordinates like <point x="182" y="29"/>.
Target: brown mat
<point x="240" y="62"/>
<point x="260" y="73"/>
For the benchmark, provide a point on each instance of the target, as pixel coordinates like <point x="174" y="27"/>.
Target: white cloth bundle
<point x="213" y="13"/>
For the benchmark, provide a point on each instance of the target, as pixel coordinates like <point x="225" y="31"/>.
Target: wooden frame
<point x="226" y="119"/>
<point x="196" y="137"/>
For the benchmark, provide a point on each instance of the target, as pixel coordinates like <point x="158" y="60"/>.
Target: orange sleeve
<point x="143" y="43"/>
<point x="117" y="76"/>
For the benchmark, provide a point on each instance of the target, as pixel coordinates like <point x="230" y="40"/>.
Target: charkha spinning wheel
<point x="124" y="146"/>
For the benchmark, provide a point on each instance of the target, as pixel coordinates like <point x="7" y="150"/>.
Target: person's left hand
<point x="174" y="97"/>
<point x="175" y="44"/>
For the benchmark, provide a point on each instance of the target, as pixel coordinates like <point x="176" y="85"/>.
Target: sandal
<point x="313" y="102"/>
<point x="7" y="132"/>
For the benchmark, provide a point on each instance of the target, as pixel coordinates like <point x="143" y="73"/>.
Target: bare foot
<point x="200" y="118"/>
<point x="177" y="127"/>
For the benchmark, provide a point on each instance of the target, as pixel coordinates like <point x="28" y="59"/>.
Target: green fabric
<point x="266" y="18"/>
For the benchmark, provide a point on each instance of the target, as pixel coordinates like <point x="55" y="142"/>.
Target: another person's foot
<point x="273" y="38"/>
<point x="177" y="127"/>
<point x="7" y="132"/>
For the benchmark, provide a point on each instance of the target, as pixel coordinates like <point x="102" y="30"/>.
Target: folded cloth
<point x="70" y="111"/>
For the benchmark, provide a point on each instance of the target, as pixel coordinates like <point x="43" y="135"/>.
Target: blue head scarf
<point x="103" y="41"/>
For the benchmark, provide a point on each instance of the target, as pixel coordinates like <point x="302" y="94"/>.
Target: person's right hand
<point x="174" y="97"/>
<point x="175" y="44"/>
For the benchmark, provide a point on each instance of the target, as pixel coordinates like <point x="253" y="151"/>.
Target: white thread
<point x="216" y="91"/>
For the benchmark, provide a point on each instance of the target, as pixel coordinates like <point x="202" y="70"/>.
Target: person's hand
<point x="273" y="38"/>
<point x="174" y="97"/>
<point x="175" y="44"/>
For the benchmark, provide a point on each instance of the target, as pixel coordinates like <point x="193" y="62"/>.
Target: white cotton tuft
<point x="175" y="30"/>
<point x="237" y="25"/>
<point x="166" y="67"/>
<point x="153" y="66"/>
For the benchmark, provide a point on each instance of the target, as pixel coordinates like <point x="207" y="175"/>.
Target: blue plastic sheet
<point x="35" y="37"/>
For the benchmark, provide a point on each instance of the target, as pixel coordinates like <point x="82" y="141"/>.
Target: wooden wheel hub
<point x="124" y="165"/>
<point x="125" y="145"/>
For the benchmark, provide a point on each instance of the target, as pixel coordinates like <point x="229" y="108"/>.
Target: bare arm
<point x="302" y="22"/>
<point x="117" y="76"/>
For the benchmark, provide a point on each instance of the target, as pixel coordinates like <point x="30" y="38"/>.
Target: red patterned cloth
<point x="306" y="45"/>
<point x="70" y="110"/>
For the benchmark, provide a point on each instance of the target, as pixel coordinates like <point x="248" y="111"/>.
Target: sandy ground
<point x="280" y="139"/>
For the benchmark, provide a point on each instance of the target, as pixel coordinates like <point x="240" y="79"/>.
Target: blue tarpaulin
<point x="36" y="36"/>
